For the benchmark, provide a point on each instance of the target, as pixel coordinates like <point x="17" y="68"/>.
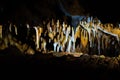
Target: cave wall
<point x="24" y="10"/>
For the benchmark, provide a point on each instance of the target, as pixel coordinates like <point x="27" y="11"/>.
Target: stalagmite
<point x="38" y="34"/>
<point x="58" y="25"/>
<point x="28" y="29"/>
<point x="88" y="34"/>
<point x="99" y="36"/>
<point x="58" y="47"/>
<point x="15" y="29"/>
<point x="10" y="27"/>
<point x="43" y="44"/>
<point x="68" y="38"/>
<point x="55" y="45"/>
<point x="71" y="42"/>
<point x="58" y="41"/>
<point x="37" y="38"/>
<point x="0" y="31"/>
<point x="64" y="27"/>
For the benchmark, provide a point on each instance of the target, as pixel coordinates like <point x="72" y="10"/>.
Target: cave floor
<point x="86" y="65"/>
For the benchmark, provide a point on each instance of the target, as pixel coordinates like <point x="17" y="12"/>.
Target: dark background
<point x="32" y="11"/>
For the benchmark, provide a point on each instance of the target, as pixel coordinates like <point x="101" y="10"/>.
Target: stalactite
<point x="73" y="40"/>
<point x="84" y="38"/>
<point x="89" y="33"/>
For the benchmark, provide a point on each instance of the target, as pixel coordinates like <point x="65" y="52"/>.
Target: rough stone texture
<point x="87" y="66"/>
